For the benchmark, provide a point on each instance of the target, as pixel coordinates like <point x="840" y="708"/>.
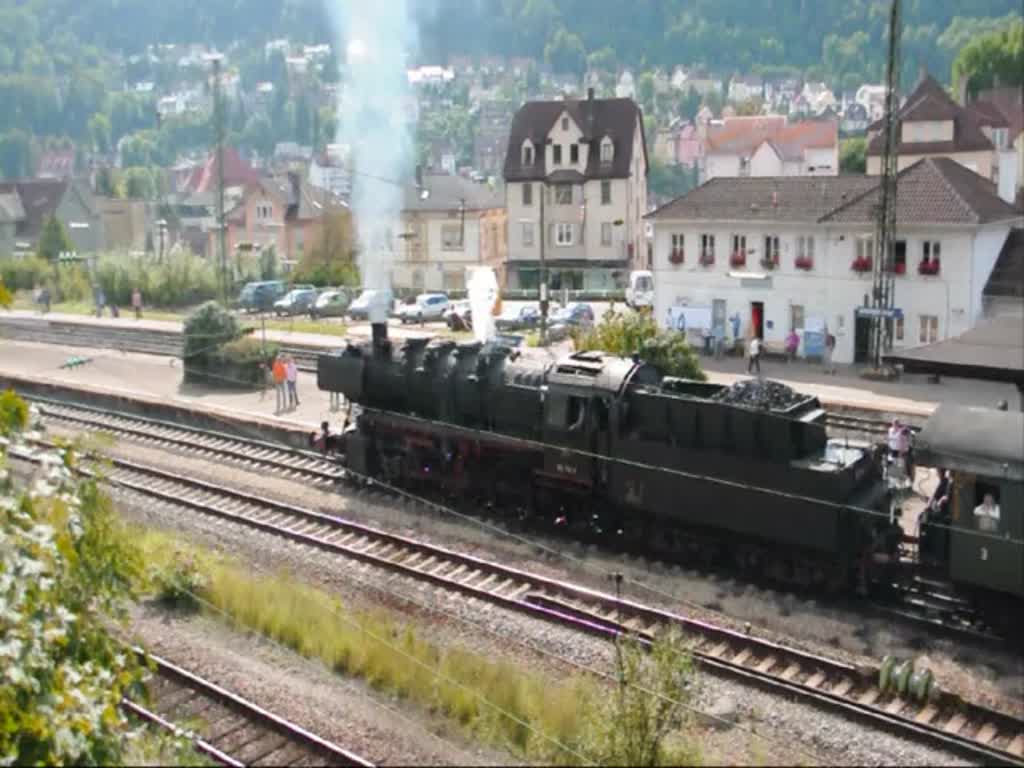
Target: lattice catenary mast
<point x="884" y="284"/>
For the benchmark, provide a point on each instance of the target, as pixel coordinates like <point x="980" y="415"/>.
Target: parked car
<point x="458" y="316"/>
<point x="297" y="301"/>
<point x="526" y="318"/>
<point x="260" y="296"/>
<point x="640" y="293"/>
<point x="333" y="302"/>
<point x="427" y="307"/>
<point x="360" y="308"/>
<point x="574" y="315"/>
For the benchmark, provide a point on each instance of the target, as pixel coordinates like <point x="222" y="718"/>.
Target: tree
<point x="750" y="107"/>
<point x="53" y="240"/>
<point x="15" y="155"/>
<point x="565" y="53"/>
<point x="603" y="60"/>
<point x="626" y="334"/>
<point x="853" y="155"/>
<point x="140" y="184"/>
<point x="331" y="259"/>
<point x="645" y="91"/>
<point x="99" y="132"/>
<point x="69" y="570"/>
<point x="997" y="54"/>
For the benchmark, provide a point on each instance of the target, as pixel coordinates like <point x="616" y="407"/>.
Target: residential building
<point x="331" y="171"/>
<point x="771" y="146"/>
<point x="28" y="203"/>
<point x="56" y="164"/>
<point x="932" y="124"/>
<point x="855" y="119"/>
<point x="576" y="187"/>
<point x="205" y="177"/>
<point x="872" y="98"/>
<point x="678" y="144"/>
<point x="797" y="253"/>
<point x="460" y="224"/>
<point x="126" y="223"/>
<point x="703" y="82"/>
<point x="283" y="212"/>
<point x="743" y="88"/>
<point x="492" y="136"/>
<point x="1008" y="102"/>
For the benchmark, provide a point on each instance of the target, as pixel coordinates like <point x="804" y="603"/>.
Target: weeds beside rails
<point x="574" y="712"/>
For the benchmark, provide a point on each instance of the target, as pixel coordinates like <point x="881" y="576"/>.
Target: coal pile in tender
<point x="760" y="393"/>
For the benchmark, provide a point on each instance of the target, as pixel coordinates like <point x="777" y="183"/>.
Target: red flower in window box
<point x="804" y="262"/>
<point x="899" y="268"/>
<point x="677" y="256"/>
<point x="862" y="264"/>
<point x="707" y="259"/>
<point x="929" y="267"/>
<point x="738" y="259"/>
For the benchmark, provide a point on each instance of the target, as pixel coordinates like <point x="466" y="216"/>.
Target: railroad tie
<point x="1017" y="746"/>
<point x="870" y="696"/>
<point x="741" y="657"/>
<point x="790" y="672"/>
<point x="844" y="687"/>
<point x="766" y="664"/>
<point x="926" y="715"/>
<point x="988" y="732"/>
<point x="956" y="723"/>
<point x="815" y="680"/>
<point x="896" y="705"/>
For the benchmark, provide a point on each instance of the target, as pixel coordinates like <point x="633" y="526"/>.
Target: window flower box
<point x="804" y="263"/>
<point x="676" y="256"/>
<point x="707" y="259"/>
<point x="929" y="267"/>
<point x="899" y="269"/>
<point x="738" y="259"/>
<point x="861" y="265"/>
<point x="769" y="263"/>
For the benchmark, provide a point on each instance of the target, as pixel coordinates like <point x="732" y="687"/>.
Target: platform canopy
<point x="992" y="351"/>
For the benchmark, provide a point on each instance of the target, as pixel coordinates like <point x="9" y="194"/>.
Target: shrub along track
<point x="889" y="697"/>
<point x="227" y="728"/>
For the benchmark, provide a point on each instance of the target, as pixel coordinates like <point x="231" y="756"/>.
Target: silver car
<point x="428" y="307"/>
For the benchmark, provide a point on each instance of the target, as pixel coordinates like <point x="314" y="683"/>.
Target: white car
<point x="427" y="307"/>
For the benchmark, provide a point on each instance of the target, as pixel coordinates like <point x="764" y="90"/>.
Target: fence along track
<point x="943" y="720"/>
<point x="228" y="728"/>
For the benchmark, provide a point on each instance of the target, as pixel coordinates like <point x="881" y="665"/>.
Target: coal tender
<point x="603" y="447"/>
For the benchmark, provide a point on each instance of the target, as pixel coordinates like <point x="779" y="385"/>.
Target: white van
<point x="640" y="292"/>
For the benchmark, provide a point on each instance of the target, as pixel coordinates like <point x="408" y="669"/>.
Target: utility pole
<point x="218" y="122"/>
<point x="883" y="268"/>
<point x="543" y="270"/>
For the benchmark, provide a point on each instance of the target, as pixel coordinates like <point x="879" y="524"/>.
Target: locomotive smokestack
<point x="378" y="309"/>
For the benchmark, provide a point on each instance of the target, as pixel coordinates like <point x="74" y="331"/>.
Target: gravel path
<point x="305" y="692"/>
<point x="987" y="676"/>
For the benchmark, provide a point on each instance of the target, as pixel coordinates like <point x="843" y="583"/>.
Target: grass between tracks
<point x="562" y="722"/>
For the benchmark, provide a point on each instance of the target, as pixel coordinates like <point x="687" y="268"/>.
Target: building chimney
<point x="963" y="91"/>
<point x="922" y="73"/>
<point x="590" y="94"/>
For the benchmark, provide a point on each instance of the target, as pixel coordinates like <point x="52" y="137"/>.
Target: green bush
<point x="637" y="333"/>
<point x="218" y="352"/>
<point x="332" y="274"/>
<point x="180" y="583"/>
<point x="181" y="280"/>
<point x="25" y="274"/>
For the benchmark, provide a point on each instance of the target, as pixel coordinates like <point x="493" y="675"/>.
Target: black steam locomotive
<point x="604" y="446"/>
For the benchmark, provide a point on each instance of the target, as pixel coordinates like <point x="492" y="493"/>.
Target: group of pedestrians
<point x="100" y="300"/>
<point x="286" y="378"/>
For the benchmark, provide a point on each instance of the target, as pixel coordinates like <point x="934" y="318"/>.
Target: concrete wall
<point x="831" y="289"/>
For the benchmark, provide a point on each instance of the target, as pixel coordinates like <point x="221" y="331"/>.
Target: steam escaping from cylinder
<point x="482" y="287"/>
<point x="375" y="121"/>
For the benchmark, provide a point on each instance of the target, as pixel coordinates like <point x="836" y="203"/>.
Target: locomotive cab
<point x="979" y="538"/>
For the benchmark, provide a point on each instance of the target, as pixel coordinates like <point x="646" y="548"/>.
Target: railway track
<point x="305" y="466"/>
<point x="227" y="728"/>
<point x="880" y="696"/>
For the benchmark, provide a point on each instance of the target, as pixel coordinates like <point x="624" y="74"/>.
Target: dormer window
<point x="565" y="123"/>
<point x="607" y="150"/>
<point x="527" y="153"/>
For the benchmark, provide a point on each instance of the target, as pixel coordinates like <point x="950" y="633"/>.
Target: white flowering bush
<point x="66" y="572"/>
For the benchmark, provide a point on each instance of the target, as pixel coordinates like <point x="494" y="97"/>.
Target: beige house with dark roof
<point x="932" y="124"/>
<point x="576" y="184"/>
<point x="784" y="253"/>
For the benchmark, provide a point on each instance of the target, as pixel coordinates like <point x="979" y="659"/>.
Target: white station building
<point x="770" y="254"/>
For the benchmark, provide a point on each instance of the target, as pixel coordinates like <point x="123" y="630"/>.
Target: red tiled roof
<point x="237" y="172"/>
<point x="742" y="134"/>
<point x="39" y="200"/>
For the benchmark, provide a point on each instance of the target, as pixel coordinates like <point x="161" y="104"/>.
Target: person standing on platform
<point x="292" y="374"/>
<point x="754" y="360"/>
<point x="792" y="345"/>
<point x="830" y="348"/>
<point x="137" y="302"/>
<point x="280" y="375"/>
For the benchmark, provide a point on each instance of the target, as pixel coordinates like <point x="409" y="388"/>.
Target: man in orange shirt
<point x="280" y="375"/>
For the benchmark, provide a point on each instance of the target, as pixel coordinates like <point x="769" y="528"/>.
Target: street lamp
<point x="162" y="229"/>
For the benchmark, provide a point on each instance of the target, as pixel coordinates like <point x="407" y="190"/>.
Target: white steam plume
<point x="378" y="37"/>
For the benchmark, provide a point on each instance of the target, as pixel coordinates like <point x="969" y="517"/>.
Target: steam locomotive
<point x="602" y="446"/>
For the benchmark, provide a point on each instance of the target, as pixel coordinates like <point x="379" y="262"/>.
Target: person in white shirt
<point x="755" y="356"/>
<point x="987" y="514"/>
